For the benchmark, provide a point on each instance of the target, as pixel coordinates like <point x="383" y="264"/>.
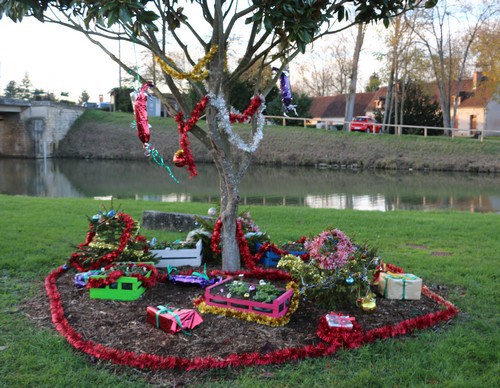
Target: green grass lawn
<point x="459" y="251"/>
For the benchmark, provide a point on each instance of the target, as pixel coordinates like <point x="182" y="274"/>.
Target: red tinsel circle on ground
<point x="334" y="339"/>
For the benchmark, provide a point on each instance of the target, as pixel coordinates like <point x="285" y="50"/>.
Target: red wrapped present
<point x="172" y="319"/>
<point x="337" y="320"/>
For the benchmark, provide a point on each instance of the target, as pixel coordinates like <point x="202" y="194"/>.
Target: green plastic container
<point x="125" y="288"/>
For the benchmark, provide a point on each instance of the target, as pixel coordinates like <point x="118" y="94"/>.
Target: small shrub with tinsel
<point x="339" y="273"/>
<point x="112" y="237"/>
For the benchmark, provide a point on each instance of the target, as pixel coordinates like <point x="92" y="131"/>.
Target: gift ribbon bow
<point x="164" y="309"/>
<point x="403" y="276"/>
<point x="343" y="320"/>
<point x="202" y="275"/>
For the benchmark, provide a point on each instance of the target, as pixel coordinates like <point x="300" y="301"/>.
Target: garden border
<point x="334" y="339"/>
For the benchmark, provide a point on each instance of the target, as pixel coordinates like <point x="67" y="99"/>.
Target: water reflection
<point x="364" y="190"/>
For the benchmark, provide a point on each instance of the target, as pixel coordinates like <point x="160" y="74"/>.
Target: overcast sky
<point x="56" y="59"/>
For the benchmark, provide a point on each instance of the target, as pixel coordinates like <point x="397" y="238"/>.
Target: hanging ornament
<point x="139" y="102"/>
<point x="179" y="158"/>
<point x="286" y="92"/>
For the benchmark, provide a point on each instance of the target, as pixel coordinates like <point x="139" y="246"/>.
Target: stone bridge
<point x="33" y="129"/>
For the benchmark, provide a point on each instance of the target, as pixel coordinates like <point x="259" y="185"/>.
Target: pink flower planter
<point x="276" y="309"/>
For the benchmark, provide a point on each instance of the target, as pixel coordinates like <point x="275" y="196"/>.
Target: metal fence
<point x="399" y="129"/>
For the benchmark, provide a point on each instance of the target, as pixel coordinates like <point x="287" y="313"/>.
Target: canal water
<point x="291" y="186"/>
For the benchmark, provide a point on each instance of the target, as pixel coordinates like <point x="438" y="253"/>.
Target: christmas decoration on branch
<point x="199" y="73"/>
<point x="183" y="127"/>
<point x="224" y="120"/>
<point x="139" y="102"/>
<point x="286" y="92"/>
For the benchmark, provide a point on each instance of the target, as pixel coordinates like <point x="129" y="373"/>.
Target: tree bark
<point x="351" y="96"/>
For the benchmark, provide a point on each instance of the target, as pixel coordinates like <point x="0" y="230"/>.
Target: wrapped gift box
<point x="403" y="286"/>
<point x="171" y="319"/>
<point x="336" y="320"/>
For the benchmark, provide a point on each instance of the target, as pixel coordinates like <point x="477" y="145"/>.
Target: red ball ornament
<point x="179" y="159"/>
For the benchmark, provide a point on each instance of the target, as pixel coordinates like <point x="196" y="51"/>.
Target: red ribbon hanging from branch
<point x="184" y="127"/>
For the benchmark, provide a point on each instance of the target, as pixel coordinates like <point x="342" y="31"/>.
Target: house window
<point x="473" y="122"/>
<point x="453" y="98"/>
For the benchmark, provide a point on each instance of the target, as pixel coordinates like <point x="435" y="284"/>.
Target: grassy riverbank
<point x="458" y="251"/>
<point x="105" y="135"/>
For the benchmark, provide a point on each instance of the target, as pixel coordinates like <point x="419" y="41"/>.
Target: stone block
<point x="180" y="222"/>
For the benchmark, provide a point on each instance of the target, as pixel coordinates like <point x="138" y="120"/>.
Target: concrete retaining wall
<point x="34" y="129"/>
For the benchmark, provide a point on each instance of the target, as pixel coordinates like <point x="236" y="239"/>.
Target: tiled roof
<point x="480" y="97"/>
<point x="334" y="106"/>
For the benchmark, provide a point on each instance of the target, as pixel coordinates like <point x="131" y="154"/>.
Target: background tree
<point x="275" y="106"/>
<point x="486" y="51"/>
<point x="373" y="83"/>
<point x="24" y="90"/>
<point x="123" y="103"/>
<point x="327" y="68"/>
<point x="448" y="49"/>
<point x="353" y="77"/>
<point x="276" y="31"/>
<point x="419" y="109"/>
<point x="84" y="97"/>
<point x="11" y="90"/>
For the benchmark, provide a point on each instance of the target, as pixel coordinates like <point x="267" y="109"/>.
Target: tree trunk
<point x="229" y="201"/>
<point x="351" y="96"/>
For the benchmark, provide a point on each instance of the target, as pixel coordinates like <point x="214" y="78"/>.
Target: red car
<point x="365" y="124"/>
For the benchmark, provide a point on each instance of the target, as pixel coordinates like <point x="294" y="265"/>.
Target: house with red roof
<point x="478" y="106"/>
<point x="327" y="111"/>
<point x="479" y="111"/>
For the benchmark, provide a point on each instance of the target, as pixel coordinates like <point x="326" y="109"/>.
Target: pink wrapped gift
<point x="172" y="319"/>
<point x="337" y="320"/>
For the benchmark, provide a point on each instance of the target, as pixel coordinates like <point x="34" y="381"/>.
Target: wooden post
<point x="425" y="131"/>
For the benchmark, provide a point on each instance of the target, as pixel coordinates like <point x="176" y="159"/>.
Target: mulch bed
<point x="122" y="325"/>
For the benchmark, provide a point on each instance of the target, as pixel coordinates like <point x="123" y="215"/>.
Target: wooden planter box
<point x="178" y="257"/>
<point x="276" y="309"/>
<point x="125" y="288"/>
<point x="270" y="259"/>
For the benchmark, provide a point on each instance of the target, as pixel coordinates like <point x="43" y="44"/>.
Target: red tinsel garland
<point x="184" y="127"/>
<point x="147" y="281"/>
<point x="152" y="361"/>
<point x="248" y="259"/>
<point x="77" y="258"/>
<point x="214" y="244"/>
<point x="255" y="103"/>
